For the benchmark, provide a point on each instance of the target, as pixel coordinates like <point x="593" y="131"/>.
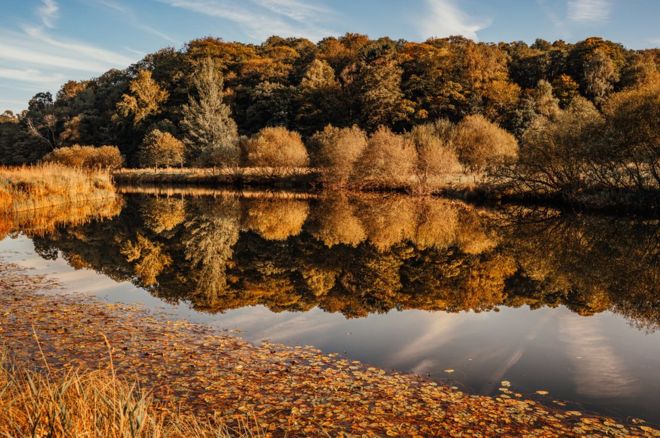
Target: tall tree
<point x="211" y="133"/>
<point x="144" y="99"/>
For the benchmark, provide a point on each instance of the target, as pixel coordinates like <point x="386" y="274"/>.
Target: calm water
<point x="555" y="302"/>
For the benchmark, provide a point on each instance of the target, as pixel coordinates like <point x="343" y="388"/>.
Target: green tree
<point x="211" y="133"/>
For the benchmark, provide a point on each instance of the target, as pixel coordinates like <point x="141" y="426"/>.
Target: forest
<point x="545" y="118"/>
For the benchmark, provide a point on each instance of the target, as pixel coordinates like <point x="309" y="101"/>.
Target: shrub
<point x="161" y="149"/>
<point x="337" y="151"/>
<point x="556" y="153"/>
<point x="276" y="147"/>
<point x="87" y="157"/>
<point x="481" y="144"/>
<point x="387" y="161"/>
<point x="435" y="156"/>
<point x="633" y="118"/>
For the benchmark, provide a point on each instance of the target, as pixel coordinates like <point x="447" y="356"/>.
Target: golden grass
<point x="47" y="185"/>
<point x="91" y="404"/>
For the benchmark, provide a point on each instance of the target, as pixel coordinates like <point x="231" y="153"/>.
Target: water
<point x="562" y="303"/>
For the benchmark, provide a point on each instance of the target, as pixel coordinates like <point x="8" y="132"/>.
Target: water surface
<point x="468" y="296"/>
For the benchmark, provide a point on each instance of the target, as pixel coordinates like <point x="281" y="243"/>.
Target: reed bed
<point x="33" y="187"/>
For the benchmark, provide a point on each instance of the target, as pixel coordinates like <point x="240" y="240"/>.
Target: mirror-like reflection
<point x="370" y="254"/>
<point x="548" y="300"/>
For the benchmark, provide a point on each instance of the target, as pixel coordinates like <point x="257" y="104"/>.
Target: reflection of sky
<point x="600" y="361"/>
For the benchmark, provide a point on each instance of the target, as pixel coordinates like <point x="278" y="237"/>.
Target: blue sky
<point x="45" y="42"/>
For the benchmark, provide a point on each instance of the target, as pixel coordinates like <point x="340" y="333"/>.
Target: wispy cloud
<point x="28" y="75"/>
<point x="134" y="20"/>
<point x="444" y="18"/>
<point x="48" y="12"/>
<point x="262" y="18"/>
<point x="589" y="11"/>
<point x="599" y="370"/>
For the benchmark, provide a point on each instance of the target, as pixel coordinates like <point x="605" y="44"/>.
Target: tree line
<point x="218" y="103"/>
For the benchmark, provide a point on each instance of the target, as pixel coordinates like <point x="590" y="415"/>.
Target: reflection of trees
<point x="208" y="238"/>
<point x="276" y="219"/>
<point x="372" y="254"/>
<point x="162" y="214"/>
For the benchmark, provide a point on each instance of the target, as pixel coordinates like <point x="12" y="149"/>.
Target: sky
<point x="43" y="43"/>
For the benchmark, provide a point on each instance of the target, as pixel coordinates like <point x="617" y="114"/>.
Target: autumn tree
<point x="211" y="135"/>
<point x="161" y="149"/>
<point x="320" y="97"/>
<point x="144" y="98"/>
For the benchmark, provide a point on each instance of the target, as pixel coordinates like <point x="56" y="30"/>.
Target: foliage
<point x="161" y="149"/>
<point x="337" y="150"/>
<point x="144" y="99"/>
<point x="87" y="157"/>
<point x="211" y="134"/>
<point x="388" y="161"/>
<point x="481" y="144"/>
<point x="435" y="154"/>
<point x="276" y="147"/>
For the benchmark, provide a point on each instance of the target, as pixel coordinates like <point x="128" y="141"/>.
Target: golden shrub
<point x="87" y="157"/>
<point x="480" y="143"/>
<point x="387" y="162"/>
<point x="276" y="147"/>
<point x="337" y="150"/>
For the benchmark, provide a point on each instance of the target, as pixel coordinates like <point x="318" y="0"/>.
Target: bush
<point x="387" y="162"/>
<point x="435" y="155"/>
<point x="87" y="157"/>
<point x="337" y="151"/>
<point x="161" y="149"/>
<point x="276" y="147"/>
<point x="633" y="118"/>
<point x="481" y="144"/>
<point x="556" y="153"/>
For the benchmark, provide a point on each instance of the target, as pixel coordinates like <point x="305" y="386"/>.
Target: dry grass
<point x="48" y="185"/>
<point x="90" y="404"/>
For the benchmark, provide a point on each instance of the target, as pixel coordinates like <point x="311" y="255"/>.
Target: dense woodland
<point x="548" y="116"/>
<point x="369" y="254"/>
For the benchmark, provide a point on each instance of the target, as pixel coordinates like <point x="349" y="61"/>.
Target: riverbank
<point x="461" y="186"/>
<point x="48" y="185"/>
<point x="294" y="391"/>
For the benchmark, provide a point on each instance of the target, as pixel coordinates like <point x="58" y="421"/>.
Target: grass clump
<point x="48" y="185"/>
<point x="90" y="404"/>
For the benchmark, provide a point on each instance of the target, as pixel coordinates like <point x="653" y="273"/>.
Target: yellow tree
<point x="144" y="99"/>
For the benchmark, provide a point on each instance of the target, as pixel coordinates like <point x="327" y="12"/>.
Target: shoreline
<point x="307" y="181"/>
<point x="295" y="390"/>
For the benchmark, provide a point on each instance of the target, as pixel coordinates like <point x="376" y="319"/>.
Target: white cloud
<point x="444" y="19"/>
<point x="589" y="11"/>
<point x="262" y="18"/>
<point x="48" y="12"/>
